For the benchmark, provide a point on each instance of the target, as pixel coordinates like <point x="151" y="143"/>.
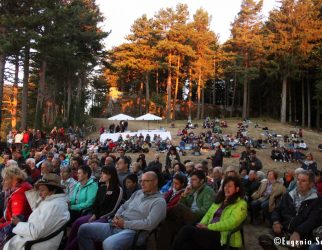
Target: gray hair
<point x="31" y="160"/>
<point x="298" y="171"/>
<point x="12" y="163"/>
<point x="217" y="169"/>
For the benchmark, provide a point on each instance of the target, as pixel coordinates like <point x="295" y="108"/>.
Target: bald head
<point x="149" y="182"/>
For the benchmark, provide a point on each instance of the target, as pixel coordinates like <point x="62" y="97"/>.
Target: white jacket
<point x="50" y="215"/>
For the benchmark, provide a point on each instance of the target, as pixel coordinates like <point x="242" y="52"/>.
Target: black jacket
<point x="305" y="220"/>
<point x="107" y="201"/>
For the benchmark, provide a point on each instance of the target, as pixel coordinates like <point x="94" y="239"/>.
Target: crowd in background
<point x="106" y="197"/>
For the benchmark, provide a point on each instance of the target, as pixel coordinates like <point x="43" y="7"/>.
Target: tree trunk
<point x="40" y="95"/>
<point x="245" y="99"/>
<point x="169" y="86"/>
<point x="318" y="114"/>
<point x="140" y="97"/>
<point x="290" y="103"/>
<point x="202" y="102"/>
<point x="214" y="86"/>
<point x="308" y="104"/>
<point x="157" y="83"/>
<point x="69" y="100"/>
<point x="190" y="94"/>
<point x="199" y="95"/>
<point x="15" y="95"/>
<point x="234" y="96"/>
<point x="25" y="88"/>
<point x="2" y="67"/>
<point x="177" y="88"/>
<point x="147" y="92"/>
<point x="303" y="104"/>
<point x="248" y="100"/>
<point x="284" y="99"/>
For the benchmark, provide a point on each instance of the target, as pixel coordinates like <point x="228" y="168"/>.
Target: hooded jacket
<point x="85" y="196"/>
<point x="48" y="216"/>
<point x="302" y="221"/>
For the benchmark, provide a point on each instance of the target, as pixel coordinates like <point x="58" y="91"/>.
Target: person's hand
<point x="187" y="191"/>
<point x="277" y="228"/>
<point x="201" y="226"/>
<point x="118" y="222"/>
<point x="93" y="217"/>
<point x="295" y="238"/>
<point x="15" y="220"/>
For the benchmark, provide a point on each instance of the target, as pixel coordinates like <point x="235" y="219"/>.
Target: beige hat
<point x="50" y="180"/>
<point x="231" y="169"/>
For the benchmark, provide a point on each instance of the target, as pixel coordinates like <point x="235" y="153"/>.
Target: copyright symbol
<point x="277" y="241"/>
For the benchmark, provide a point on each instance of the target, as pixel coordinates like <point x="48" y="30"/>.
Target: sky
<point x="121" y="14"/>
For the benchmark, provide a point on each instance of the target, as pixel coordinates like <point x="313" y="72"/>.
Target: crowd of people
<point x="110" y="200"/>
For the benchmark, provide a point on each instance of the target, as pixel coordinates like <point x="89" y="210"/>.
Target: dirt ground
<point x="312" y="138"/>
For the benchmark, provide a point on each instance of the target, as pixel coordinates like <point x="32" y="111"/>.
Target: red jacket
<point x="172" y="202"/>
<point x="17" y="204"/>
<point x="25" y="138"/>
<point x="319" y="187"/>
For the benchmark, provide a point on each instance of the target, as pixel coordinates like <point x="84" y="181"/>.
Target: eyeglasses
<point x="144" y="181"/>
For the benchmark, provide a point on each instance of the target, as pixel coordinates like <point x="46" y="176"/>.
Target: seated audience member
<point x="194" y="203"/>
<point x="155" y="165"/>
<point x="68" y="181"/>
<point x="227" y="212"/>
<point x="84" y="193"/>
<point x="179" y="184"/>
<point x="49" y="214"/>
<point x="285" y="155"/>
<point x="298" y="213"/>
<point x="172" y="157"/>
<point x="276" y="154"/>
<point x="320" y="147"/>
<point x="309" y="163"/>
<point x="190" y="168"/>
<point x="136" y="169"/>
<point x="142" y="161"/>
<point x="96" y="170"/>
<point x="254" y="162"/>
<point x="15" y="185"/>
<point x="131" y="185"/>
<point x="46" y="168"/>
<point x="107" y="201"/>
<point x="288" y="180"/>
<point x="217" y="178"/>
<point x="303" y="145"/>
<point x="244" y="158"/>
<point x="34" y="172"/>
<point x="143" y="211"/>
<point x="266" y="196"/>
<point x="297" y="155"/>
<point x="318" y="182"/>
<point x="122" y="167"/>
<point x="251" y="184"/>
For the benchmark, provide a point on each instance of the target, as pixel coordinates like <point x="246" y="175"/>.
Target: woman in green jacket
<point x="227" y="212"/>
<point x="84" y="194"/>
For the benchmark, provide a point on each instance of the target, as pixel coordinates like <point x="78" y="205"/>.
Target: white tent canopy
<point x="148" y="117"/>
<point x="121" y="117"/>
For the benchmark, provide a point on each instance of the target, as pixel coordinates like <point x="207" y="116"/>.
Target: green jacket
<point x="85" y="196"/>
<point x="205" y="198"/>
<point x="232" y="216"/>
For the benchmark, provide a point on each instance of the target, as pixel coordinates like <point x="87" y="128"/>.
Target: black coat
<point x="107" y="201"/>
<point x="303" y="222"/>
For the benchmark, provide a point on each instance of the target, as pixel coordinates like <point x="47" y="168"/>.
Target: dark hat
<point x="50" y="180"/>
